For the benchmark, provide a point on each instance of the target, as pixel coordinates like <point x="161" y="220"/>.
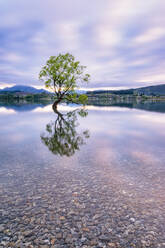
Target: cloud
<point x="151" y="35"/>
<point x="12" y="57"/>
<point x="4" y="85"/>
<point x="121" y="42"/>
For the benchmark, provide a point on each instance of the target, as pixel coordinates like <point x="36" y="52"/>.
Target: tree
<point x="62" y="136"/>
<point x="62" y="74"/>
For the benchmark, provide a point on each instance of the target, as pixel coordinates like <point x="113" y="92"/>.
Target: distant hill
<point x="29" y="89"/>
<point x="157" y="90"/>
<point x="24" y="89"/>
<point x="152" y="90"/>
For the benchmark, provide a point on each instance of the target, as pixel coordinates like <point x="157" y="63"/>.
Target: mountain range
<point x="28" y="90"/>
<point x="149" y="90"/>
<point x="24" y="89"/>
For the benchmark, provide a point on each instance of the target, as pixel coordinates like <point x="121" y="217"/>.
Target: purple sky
<point x="121" y="42"/>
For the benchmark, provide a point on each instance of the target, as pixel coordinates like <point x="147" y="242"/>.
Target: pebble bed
<point x="78" y="207"/>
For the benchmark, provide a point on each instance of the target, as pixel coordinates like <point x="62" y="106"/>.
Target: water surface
<point x="81" y="180"/>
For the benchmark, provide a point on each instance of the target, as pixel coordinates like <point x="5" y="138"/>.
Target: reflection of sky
<point x="121" y="42"/>
<point x="129" y="143"/>
<point x="117" y="126"/>
<point x="4" y="110"/>
<point x="131" y="148"/>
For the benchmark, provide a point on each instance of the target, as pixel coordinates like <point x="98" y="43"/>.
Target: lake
<point x="83" y="177"/>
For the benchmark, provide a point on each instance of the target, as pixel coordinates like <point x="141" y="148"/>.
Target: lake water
<point x="92" y="177"/>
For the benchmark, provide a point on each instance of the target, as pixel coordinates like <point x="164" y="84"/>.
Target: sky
<point x="121" y="42"/>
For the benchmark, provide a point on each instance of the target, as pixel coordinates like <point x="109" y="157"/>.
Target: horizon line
<point x="5" y="85"/>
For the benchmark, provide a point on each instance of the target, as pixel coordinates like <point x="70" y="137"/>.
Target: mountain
<point x="157" y="90"/>
<point x="23" y="88"/>
<point x="151" y="90"/>
<point x="81" y="92"/>
<point x="30" y="90"/>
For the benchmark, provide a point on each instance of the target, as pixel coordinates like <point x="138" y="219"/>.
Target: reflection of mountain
<point x="149" y="106"/>
<point x="25" y="106"/>
<point x="62" y="136"/>
<point x="22" y="107"/>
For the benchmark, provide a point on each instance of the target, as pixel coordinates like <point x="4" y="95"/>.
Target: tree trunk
<point x="54" y="106"/>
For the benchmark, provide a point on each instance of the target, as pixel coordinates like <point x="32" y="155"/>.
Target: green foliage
<point x="61" y="74"/>
<point x="83" y="99"/>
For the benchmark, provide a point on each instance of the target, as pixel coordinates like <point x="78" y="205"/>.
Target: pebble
<point x="2" y="228"/>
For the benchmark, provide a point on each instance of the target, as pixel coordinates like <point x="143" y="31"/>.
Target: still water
<point x="92" y="177"/>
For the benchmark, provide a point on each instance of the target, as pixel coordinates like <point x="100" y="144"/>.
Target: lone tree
<point x="61" y="74"/>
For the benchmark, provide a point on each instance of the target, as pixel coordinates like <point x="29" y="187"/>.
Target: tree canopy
<point x="62" y="74"/>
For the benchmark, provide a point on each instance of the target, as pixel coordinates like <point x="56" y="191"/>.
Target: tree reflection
<point x="62" y="136"/>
